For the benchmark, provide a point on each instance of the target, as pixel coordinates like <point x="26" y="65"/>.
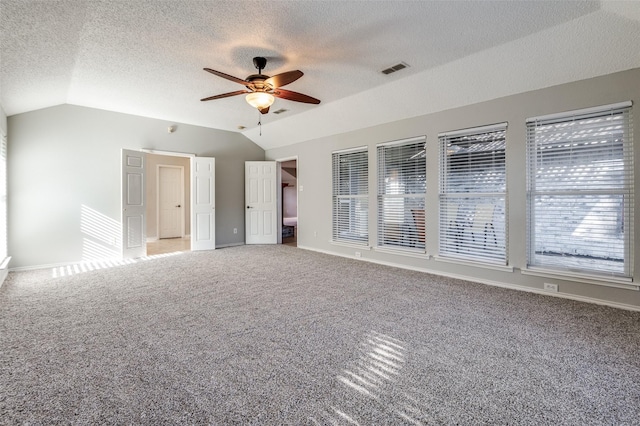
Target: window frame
<point x="473" y="223"/>
<point x="356" y="197"/>
<point x="401" y="215"/>
<point x="571" y="264"/>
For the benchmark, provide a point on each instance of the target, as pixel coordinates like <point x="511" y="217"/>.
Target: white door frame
<point x="174" y="154"/>
<point x="192" y="202"/>
<point x="183" y="212"/>
<point x="279" y="192"/>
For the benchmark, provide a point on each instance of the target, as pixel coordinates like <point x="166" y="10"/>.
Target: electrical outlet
<point x="301" y="188"/>
<point x="235" y="230"/>
<point x="315" y="233"/>
<point x="551" y="287"/>
<point x="358" y="254"/>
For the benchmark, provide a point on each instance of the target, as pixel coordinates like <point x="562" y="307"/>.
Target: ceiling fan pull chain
<point x="260" y="123"/>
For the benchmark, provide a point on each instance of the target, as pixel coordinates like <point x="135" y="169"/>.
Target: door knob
<point x="178" y="205"/>
<point x="249" y="207"/>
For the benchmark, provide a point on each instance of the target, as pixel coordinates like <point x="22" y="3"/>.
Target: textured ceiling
<point x="146" y="57"/>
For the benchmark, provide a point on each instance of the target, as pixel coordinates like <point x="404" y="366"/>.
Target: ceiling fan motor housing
<point x="256" y="81"/>
<point x="260" y="63"/>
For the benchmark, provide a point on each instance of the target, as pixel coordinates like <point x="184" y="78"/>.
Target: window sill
<point x="351" y="245"/>
<point x="4" y="269"/>
<point x="617" y="282"/>
<point x="5" y="263"/>
<point x="417" y="253"/>
<point x="502" y="268"/>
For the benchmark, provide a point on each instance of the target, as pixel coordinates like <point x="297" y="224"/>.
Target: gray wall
<point x="314" y="178"/>
<point x="67" y="158"/>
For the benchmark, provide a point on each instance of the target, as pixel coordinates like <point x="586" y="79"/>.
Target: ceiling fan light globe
<point x="260" y="100"/>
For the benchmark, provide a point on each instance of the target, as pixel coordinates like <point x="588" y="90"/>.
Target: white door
<point x="170" y="201"/>
<point x="203" y="213"/>
<point x="261" y="210"/>
<point x="134" y="242"/>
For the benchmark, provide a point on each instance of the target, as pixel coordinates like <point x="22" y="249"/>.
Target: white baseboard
<point x="77" y="262"/>
<point x="229" y="245"/>
<point x="44" y="266"/>
<point x="62" y="264"/>
<point x="487" y="282"/>
<point x="154" y="239"/>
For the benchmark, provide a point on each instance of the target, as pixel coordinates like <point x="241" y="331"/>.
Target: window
<point x="401" y="194"/>
<point x="580" y="191"/>
<point x="473" y="194"/>
<point x="351" y="196"/>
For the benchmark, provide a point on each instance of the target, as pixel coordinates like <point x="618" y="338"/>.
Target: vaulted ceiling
<point x="147" y="57"/>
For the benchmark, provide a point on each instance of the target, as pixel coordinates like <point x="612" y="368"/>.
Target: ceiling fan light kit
<point x="260" y="100"/>
<point x="262" y="89"/>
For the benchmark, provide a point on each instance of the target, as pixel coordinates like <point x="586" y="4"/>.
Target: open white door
<point x="203" y="213"/>
<point x="261" y="218"/>
<point x="134" y="242"/>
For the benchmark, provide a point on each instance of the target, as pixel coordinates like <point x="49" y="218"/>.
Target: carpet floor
<point x="271" y="335"/>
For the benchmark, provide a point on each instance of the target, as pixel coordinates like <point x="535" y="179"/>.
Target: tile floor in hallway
<point x="168" y="245"/>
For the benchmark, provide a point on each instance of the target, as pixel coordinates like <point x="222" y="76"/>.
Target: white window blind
<point x="580" y="191"/>
<point x="351" y="196"/>
<point x="3" y="197"/>
<point x="401" y="194"/>
<point x="473" y="194"/>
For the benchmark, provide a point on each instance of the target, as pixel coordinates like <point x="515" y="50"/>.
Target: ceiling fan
<point x="262" y="89"/>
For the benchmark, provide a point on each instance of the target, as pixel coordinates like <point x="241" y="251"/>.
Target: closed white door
<point x="134" y="242"/>
<point x="261" y="210"/>
<point x="203" y="198"/>
<point x="170" y="202"/>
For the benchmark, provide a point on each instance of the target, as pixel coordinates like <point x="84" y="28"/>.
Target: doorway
<point x="139" y="200"/>
<point x="289" y="201"/>
<point x="168" y="204"/>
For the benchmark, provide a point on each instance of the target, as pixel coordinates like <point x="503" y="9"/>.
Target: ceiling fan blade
<point x="283" y="79"/>
<point x="227" y="76"/>
<point x="295" y="96"/>
<point x="263" y="110"/>
<point x="226" y="95"/>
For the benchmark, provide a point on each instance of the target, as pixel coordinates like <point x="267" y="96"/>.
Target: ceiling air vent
<point x="280" y="111"/>
<point x="394" y="68"/>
